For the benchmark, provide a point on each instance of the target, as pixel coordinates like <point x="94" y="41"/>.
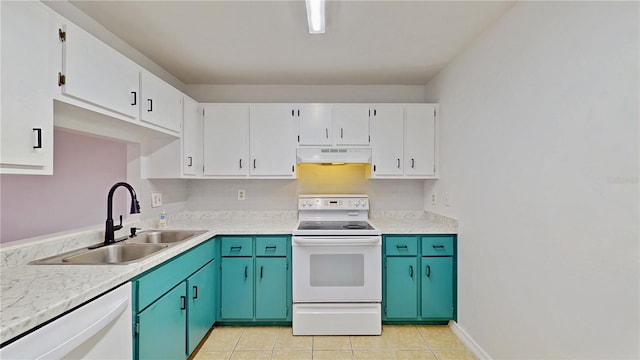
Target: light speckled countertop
<point x="33" y="294"/>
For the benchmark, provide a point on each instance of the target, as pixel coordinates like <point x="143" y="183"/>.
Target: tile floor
<point x="396" y="342"/>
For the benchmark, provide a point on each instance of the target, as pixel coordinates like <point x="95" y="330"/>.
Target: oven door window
<point x="336" y="270"/>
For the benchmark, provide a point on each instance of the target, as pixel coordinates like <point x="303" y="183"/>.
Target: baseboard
<point x="468" y="341"/>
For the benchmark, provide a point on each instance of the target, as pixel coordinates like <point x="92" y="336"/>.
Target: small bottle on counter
<point x="162" y="222"/>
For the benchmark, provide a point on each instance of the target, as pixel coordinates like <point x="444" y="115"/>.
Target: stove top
<point x="335" y="225"/>
<point x="334" y="215"/>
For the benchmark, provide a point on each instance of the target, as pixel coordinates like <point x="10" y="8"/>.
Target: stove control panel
<point x="315" y="202"/>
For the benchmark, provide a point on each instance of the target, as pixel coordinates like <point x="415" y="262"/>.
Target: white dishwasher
<point x="100" y="329"/>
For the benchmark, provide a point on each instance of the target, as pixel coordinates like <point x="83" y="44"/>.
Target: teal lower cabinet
<point x="271" y="281"/>
<point x="237" y="288"/>
<point x="437" y="288"/>
<point x="161" y="326"/>
<point x="174" y="304"/>
<point x="402" y="291"/>
<point x="201" y="293"/>
<point x="419" y="279"/>
<point x="255" y="280"/>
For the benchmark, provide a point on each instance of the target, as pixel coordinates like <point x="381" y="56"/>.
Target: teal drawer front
<point x="271" y="246"/>
<point x="437" y="245"/>
<point x="401" y="245"/>
<point x="237" y="246"/>
<point x="161" y="279"/>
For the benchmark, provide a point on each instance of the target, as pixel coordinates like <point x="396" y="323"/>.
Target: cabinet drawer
<point x="401" y="245"/>
<point x="437" y="245"/>
<point x="271" y="246"/>
<point x="237" y="246"/>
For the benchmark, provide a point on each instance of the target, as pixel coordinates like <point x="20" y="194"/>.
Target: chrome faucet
<point x="135" y="209"/>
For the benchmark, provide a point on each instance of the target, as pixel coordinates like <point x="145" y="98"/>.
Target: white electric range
<point x="337" y="271"/>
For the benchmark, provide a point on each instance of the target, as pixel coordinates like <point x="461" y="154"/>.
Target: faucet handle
<point x="118" y="227"/>
<point x="133" y="231"/>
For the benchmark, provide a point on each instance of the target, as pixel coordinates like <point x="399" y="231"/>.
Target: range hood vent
<point x="334" y="155"/>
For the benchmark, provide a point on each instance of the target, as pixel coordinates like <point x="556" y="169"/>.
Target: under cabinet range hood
<point x="333" y="156"/>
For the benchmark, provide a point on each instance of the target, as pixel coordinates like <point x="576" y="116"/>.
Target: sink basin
<point x="145" y="243"/>
<point x="163" y="236"/>
<point x="114" y="254"/>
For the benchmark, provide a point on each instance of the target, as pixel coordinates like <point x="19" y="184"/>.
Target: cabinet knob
<point x="428" y="271"/>
<point x="411" y="270"/>
<point x="183" y="300"/>
<point x="195" y="292"/>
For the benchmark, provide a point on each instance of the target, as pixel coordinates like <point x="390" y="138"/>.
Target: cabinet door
<point x="201" y="295"/>
<point x="226" y="140"/>
<point x="437" y="287"/>
<point x="351" y="124"/>
<point x="27" y="105"/>
<point x="273" y="140"/>
<point x="98" y="74"/>
<point x="420" y="140"/>
<point x="237" y="284"/>
<point x="387" y="140"/>
<point x="271" y="288"/>
<point x="191" y="139"/>
<point x="402" y="288"/>
<point x="314" y="124"/>
<point x="162" y="327"/>
<point x="161" y="102"/>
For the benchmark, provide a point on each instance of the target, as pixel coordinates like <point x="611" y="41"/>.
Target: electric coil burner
<point x="337" y="273"/>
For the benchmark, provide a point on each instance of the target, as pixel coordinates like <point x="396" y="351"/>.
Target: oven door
<point x="337" y="269"/>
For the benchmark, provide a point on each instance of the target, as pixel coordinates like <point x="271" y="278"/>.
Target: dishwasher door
<point x="100" y="329"/>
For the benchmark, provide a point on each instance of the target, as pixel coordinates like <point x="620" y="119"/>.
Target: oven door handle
<point x="337" y="240"/>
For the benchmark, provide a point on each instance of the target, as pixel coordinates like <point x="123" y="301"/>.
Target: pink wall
<point x="84" y="169"/>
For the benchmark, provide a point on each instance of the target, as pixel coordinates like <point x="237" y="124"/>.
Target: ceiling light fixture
<point x="315" y="16"/>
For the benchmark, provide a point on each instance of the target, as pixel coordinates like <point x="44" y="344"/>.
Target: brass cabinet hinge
<point x="61" y="79"/>
<point x="62" y="35"/>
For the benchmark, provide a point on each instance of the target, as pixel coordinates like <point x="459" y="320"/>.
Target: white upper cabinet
<point x="403" y="141"/>
<point x="161" y="103"/>
<point x="226" y="139"/>
<point x="273" y="140"/>
<point x="97" y="74"/>
<point x="192" y="138"/>
<point x="257" y="140"/>
<point x="420" y="140"/>
<point x="26" y="106"/>
<point x="351" y="124"/>
<point x="387" y="132"/>
<point x="314" y="124"/>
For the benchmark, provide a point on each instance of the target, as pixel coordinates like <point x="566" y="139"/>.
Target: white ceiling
<point x="267" y="42"/>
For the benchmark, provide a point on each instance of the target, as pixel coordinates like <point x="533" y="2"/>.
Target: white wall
<point x="540" y="144"/>
<point x="306" y="93"/>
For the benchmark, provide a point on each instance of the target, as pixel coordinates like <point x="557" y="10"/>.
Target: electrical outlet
<point x="156" y="200"/>
<point x="434" y="199"/>
<point x="241" y="194"/>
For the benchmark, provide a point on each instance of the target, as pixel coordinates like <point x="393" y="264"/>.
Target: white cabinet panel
<point x="387" y="132"/>
<point x="420" y="140"/>
<point x="351" y="124"/>
<point x="161" y="102"/>
<point x="273" y="140"/>
<point x="226" y="140"/>
<point x="314" y="122"/>
<point x="26" y="120"/>
<point x="97" y="74"/>
<point x="191" y="138"/>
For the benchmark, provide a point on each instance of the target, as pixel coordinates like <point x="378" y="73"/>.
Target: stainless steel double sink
<point x="128" y="251"/>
